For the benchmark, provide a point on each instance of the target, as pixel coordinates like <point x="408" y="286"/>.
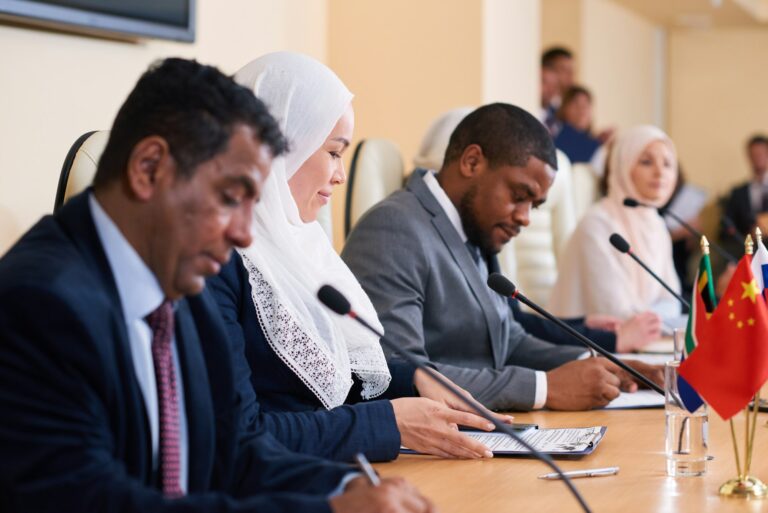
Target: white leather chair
<point x="531" y="258"/>
<point x="585" y="188"/>
<point x="376" y="171"/>
<point x="80" y="165"/>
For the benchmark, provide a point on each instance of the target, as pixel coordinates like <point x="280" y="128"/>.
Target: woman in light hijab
<point x="595" y="277"/>
<point x="321" y="379"/>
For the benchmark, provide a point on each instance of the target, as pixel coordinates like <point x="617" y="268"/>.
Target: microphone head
<point x="631" y="202"/>
<point x="499" y="283"/>
<point x="334" y="300"/>
<point x="618" y="242"/>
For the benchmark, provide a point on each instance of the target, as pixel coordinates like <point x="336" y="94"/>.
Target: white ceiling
<point x="701" y="13"/>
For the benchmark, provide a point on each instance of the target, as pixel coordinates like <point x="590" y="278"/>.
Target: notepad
<point x="664" y="346"/>
<point x="558" y="442"/>
<point x="637" y="400"/>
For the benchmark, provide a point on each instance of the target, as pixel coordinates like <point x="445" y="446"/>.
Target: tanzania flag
<point x="730" y="362"/>
<point x="703" y="303"/>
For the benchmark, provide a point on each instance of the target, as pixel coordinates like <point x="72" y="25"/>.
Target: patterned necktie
<point x="499" y="302"/>
<point x="161" y="323"/>
<point x="477" y="257"/>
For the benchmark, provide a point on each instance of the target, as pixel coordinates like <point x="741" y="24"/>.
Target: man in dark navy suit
<point x="749" y="199"/>
<point x="117" y="389"/>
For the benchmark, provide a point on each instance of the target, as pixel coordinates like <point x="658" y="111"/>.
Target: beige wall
<point x="618" y="63"/>
<point x="410" y="61"/>
<point x="717" y="91"/>
<point x="54" y="87"/>
<point x="511" y="41"/>
<point x="618" y="58"/>
<point x="561" y="24"/>
<point x="405" y="69"/>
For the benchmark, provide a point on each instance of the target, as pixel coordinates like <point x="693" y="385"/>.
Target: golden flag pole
<point x="745" y="486"/>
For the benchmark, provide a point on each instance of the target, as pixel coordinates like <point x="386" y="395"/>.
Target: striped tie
<point x="161" y="323"/>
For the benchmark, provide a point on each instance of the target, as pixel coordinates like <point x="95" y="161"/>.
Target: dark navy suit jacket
<point x="74" y="434"/>
<point x="547" y="330"/>
<point x="739" y="208"/>
<point x="281" y="401"/>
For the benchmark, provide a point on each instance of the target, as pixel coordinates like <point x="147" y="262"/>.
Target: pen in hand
<point x="594" y="472"/>
<point x="367" y="469"/>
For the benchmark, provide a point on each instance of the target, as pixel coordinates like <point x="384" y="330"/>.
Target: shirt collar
<point x="445" y="203"/>
<point x="140" y="293"/>
<point x="759" y="182"/>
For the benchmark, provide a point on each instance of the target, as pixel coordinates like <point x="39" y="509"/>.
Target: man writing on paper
<point x="117" y="387"/>
<point x="424" y="253"/>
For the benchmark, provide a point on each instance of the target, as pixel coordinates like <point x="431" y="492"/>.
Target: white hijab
<point x="643" y="228"/>
<point x="594" y="277"/>
<point x="289" y="260"/>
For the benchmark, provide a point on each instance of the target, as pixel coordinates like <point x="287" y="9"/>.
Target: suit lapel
<point x="197" y="400"/>
<point x="463" y="259"/>
<point x="76" y="221"/>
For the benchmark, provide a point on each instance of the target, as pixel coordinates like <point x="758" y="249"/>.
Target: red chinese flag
<point x="730" y="364"/>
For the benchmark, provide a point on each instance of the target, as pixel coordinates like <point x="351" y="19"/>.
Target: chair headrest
<point x="80" y="165"/>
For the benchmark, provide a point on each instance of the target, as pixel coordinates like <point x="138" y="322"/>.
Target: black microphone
<point x="500" y="284"/>
<point x="336" y="301"/>
<point x="618" y="242"/>
<point x="633" y="203"/>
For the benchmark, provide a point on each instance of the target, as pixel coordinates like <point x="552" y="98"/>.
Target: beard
<point x="473" y="231"/>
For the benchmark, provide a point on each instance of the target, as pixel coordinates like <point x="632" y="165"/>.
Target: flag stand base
<point x="747" y="488"/>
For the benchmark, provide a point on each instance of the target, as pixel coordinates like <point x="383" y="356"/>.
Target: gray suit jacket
<point x="432" y="300"/>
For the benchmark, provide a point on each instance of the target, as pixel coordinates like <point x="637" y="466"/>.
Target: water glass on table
<point x="686" y="432"/>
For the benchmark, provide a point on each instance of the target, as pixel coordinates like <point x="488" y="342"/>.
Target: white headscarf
<point x="643" y="228"/>
<point x="594" y="277"/>
<point x="289" y="260"/>
<point x="435" y="142"/>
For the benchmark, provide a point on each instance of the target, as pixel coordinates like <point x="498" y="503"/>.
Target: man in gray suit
<point x="424" y="253"/>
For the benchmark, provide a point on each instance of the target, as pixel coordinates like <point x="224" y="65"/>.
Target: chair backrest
<point x="532" y="256"/>
<point x="376" y="171"/>
<point x="585" y="188"/>
<point x="80" y="166"/>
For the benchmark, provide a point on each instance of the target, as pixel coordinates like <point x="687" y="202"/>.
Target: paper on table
<point x="649" y="358"/>
<point x="639" y="399"/>
<point x="665" y="345"/>
<point x="687" y="204"/>
<point x="552" y="441"/>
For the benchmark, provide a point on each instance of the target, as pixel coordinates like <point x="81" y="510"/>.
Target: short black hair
<point x="757" y="139"/>
<point x="549" y="57"/>
<point x="194" y="107"/>
<point x="508" y="135"/>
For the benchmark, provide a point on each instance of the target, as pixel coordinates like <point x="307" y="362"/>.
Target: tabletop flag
<point x="703" y="303"/>
<point x="730" y="362"/>
<point x="760" y="265"/>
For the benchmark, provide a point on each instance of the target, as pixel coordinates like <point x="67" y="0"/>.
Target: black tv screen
<point x="164" y="19"/>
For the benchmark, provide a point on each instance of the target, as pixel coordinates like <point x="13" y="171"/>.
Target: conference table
<point x="634" y="441"/>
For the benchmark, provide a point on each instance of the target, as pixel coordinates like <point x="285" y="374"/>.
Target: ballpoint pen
<point x="593" y="472"/>
<point x="367" y="469"/>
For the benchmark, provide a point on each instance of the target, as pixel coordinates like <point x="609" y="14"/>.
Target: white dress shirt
<point x="540" y="396"/>
<point x="757" y="188"/>
<point x="140" y="294"/>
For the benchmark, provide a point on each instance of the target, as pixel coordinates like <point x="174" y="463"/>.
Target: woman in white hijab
<point x="595" y="277"/>
<point x="306" y="363"/>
